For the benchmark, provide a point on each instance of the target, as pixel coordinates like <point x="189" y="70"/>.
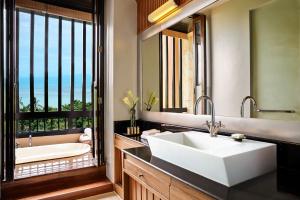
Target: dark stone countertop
<point x="260" y="188"/>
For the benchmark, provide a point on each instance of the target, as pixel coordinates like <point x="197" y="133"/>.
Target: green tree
<point x="52" y="123"/>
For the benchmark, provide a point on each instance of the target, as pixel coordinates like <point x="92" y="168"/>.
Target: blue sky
<point x="39" y="50"/>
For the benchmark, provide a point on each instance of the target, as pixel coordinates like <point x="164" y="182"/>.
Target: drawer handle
<point x="141" y="175"/>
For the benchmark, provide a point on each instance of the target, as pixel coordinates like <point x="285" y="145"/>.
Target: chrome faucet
<point x="212" y="126"/>
<point x="30" y="141"/>
<point x="243" y="104"/>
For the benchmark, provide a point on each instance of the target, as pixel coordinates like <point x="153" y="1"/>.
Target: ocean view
<point x="53" y="59"/>
<point x="24" y="90"/>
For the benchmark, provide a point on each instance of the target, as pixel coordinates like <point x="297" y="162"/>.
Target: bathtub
<point x="48" y="152"/>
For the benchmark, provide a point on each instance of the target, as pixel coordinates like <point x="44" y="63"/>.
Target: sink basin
<point x="220" y="159"/>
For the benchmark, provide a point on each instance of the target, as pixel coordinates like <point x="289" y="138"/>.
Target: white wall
<point x="125" y="54"/>
<point x="108" y="97"/>
<point x="120" y="67"/>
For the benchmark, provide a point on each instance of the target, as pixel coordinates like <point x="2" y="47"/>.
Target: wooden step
<point x="75" y="192"/>
<point x="88" y="181"/>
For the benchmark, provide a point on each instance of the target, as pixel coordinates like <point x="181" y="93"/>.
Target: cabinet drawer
<point x="154" y="179"/>
<point x="180" y="191"/>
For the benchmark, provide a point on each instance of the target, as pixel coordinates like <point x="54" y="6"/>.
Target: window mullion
<point x="84" y="69"/>
<point x="167" y="72"/>
<point x="17" y="61"/>
<point x="70" y="119"/>
<point x="72" y="66"/>
<point x="59" y="63"/>
<point x="174" y="76"/>
<point x="180" y="78"/>
<point x="161" y="72"/>
<point x="32" y="62"/>
<point x="46" y="62"/>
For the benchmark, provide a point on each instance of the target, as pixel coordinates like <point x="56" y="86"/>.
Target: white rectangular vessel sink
<point x="220" y="159"/>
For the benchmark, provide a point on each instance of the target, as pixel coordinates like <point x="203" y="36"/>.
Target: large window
<point x="54" y="73"/>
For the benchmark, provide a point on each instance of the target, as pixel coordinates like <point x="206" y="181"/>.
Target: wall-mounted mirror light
<point x="162" y="11"/>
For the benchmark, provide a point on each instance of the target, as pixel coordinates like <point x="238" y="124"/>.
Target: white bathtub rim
<point x="80" y="150"/>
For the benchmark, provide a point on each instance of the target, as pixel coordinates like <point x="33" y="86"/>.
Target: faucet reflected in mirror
<point x="212" y="126"/>
<point x="251" y="99"/>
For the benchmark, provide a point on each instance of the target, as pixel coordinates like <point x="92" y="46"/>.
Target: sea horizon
<point x="24" y="90"/>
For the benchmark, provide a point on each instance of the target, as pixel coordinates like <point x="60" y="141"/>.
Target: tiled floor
<point x="52" y="166"/>
<point x="107" y="196"/>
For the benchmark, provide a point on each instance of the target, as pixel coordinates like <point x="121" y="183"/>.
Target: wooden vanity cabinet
<point x="136" y="180"/>
<point x="143" y="182"/>
<point x="147" y="179"/>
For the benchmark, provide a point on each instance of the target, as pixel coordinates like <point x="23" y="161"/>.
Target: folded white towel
<point x="88" y="131"/>
<point x="86" y="136"/>
<point x="149" y="132"/>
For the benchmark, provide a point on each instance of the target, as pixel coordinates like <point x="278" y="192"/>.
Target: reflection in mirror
<point x="177" y="81"/>
<point x="150" y="63"/>
<point x="231" y="51"/>
<point x="275" y="42"/>
<point x="174" y="66"/>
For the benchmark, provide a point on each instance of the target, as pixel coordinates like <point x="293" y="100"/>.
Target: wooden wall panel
<point x="55" y="10"/>
<point x="145" y="7"/>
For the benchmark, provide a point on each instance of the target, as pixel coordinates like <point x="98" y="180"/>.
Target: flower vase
<point x="132" y="118"/>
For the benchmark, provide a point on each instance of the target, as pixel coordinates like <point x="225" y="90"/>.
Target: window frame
<point x="33" y="115"/>
<point x="200" y="62"/>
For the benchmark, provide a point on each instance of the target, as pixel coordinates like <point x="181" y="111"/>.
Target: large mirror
<point x="228" y="52"/>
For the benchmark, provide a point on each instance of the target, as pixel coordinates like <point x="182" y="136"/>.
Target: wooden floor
<point x="106" y="196"/>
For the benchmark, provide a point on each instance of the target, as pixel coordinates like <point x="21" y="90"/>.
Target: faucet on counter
<point x="212" y="126"/>
<point x="30" y="141"/>
<point x="243" y="104"/>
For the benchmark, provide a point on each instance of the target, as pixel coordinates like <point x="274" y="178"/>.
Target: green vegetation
<point x="51" y="124"/>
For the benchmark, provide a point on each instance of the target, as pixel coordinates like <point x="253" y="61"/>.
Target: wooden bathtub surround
<point x="73" y="184"/>
<point x="120" y="143"/>
<point x="136" y="180"/>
